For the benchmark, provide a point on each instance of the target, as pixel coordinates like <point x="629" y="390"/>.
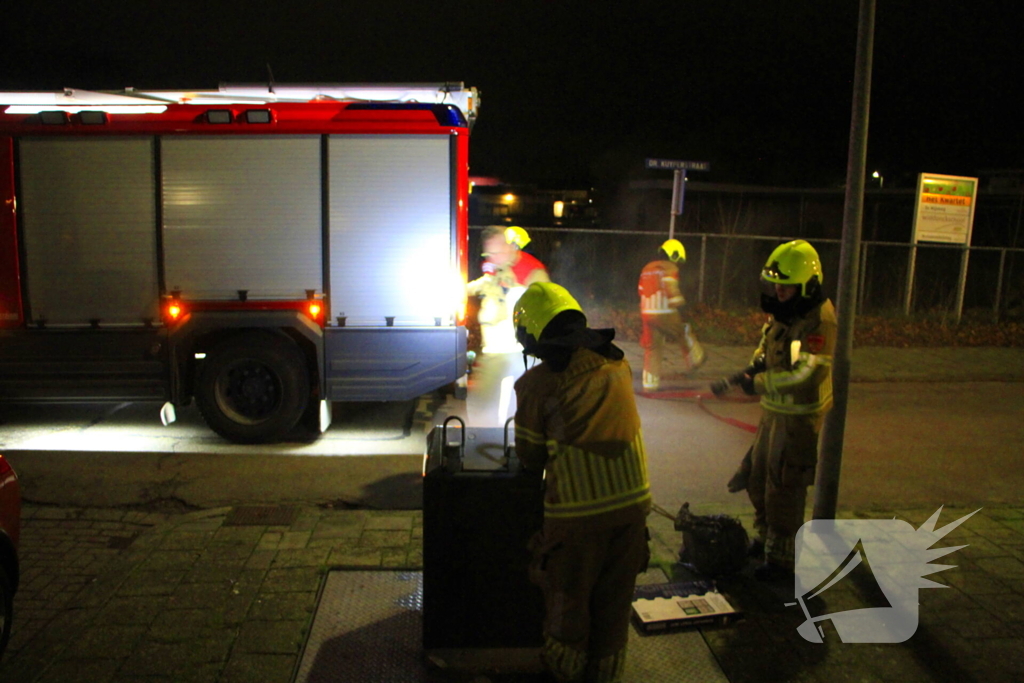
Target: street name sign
<point x="677" y="165"/>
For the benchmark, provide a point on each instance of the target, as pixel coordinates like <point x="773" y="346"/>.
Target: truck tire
<point x="253" y="388"/>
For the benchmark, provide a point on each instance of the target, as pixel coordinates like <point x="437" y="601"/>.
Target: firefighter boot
<point x="650" y="381"/>
<point x="694" y="352"/>
<point x="770" y="572"/>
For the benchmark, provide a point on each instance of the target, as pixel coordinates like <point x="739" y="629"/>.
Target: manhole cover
<point x="261" y="516"/>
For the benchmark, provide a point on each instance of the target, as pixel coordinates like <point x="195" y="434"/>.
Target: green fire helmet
<point x="674" y="250"/>
<point x="793" y="263"/>
<point x="538" y="305"/>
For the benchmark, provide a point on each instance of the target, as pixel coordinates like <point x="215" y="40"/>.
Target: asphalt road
<point x="907" y="444"/>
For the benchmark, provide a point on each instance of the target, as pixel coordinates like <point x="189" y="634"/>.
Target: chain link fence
<point x="722" y="271"/>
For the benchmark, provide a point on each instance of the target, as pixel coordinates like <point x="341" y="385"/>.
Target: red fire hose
<point x="700" y="396"/>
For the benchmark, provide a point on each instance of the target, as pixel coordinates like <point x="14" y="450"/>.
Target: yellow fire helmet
<point x="517" y="236"/>
<point x="793" y="263"/>
<point x="538" y="305"/>
<point x="675" y="250"/>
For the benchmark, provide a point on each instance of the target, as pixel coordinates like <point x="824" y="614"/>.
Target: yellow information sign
<point x="945" y="208"/>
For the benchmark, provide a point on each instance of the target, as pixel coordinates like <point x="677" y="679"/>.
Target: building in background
<point x="493" y="202"/>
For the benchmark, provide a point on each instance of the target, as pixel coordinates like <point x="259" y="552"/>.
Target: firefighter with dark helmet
<point x="577" y="420"/>
<point x="791" y="371"/>
<point x="661" y="303"/>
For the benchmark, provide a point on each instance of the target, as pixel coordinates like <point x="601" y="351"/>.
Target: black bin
<point x="480" y="508"/>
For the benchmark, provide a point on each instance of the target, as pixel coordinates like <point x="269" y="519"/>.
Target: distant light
<point x="200" y="356"/>
<point x="559" y="209"/>
<point x="875" y="175"/>
<point x="509" y="198"/>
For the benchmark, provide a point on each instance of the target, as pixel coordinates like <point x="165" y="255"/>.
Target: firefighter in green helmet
<point x="791" y="371"/>
<point x="577" y="420"/>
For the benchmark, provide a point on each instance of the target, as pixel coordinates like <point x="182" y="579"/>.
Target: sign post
<point x="678" y="183"/>
<point x="826" y="484"/>
<point x="943" y="212"/>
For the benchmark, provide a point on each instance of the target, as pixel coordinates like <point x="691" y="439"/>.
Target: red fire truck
<point x="260" y="250"/>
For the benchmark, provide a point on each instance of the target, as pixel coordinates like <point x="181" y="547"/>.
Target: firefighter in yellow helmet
<point x="577" y="420"/>
<point x="507" y="271"/>
<point x="661" y="303"/>
<point x="791" y="371"/>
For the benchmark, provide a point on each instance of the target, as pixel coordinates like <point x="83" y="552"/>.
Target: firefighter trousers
<point x="781" y="467"/>
<point x="587" y="578"/>
<point x="492" y="397"/>
<point x="659" y="328"/>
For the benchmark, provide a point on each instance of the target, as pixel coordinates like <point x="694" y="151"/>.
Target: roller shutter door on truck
<point x="87" y="209"/>
<point x="242" y="213"/>
<point x="390" y="229"/>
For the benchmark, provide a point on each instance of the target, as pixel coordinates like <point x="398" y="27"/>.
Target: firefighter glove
<point x="745" y="382"/>
<point x="720" y="386"/>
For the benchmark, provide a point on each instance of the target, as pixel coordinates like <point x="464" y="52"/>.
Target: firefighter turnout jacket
<point x="499" y="288"/>
<point x="797" y="357"/>
<point x="582" y="426"/>
<point x="659" y="288"/>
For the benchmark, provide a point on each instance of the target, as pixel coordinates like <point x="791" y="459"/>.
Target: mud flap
<point x="326" y="415"/>
<point x="167" y="413"/>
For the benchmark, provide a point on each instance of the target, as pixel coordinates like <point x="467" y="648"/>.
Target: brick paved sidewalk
<point x="973" y="630"/>
<point x="114" y="596"/>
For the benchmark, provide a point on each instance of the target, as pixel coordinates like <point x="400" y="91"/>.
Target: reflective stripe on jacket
<point x="798" y="363"/>
<point x="581" y="425"/>
<point x="659" y="288"/>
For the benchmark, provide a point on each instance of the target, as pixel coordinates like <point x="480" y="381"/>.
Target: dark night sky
<point x="578" y="92"/>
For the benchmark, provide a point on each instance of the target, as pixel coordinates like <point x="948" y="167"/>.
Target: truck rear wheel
<point x="253" y="389"/>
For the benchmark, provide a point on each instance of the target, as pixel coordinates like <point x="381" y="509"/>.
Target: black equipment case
<point x="480" y="508"/>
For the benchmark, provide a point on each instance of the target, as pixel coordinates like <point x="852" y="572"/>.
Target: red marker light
<point x="174" y="311"/>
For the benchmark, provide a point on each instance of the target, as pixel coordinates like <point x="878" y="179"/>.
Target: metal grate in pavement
<point x="368" y="627"/>
<point x="261" y="516"/>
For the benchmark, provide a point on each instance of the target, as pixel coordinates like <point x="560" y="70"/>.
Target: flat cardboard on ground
<point x="670" y="606"/>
